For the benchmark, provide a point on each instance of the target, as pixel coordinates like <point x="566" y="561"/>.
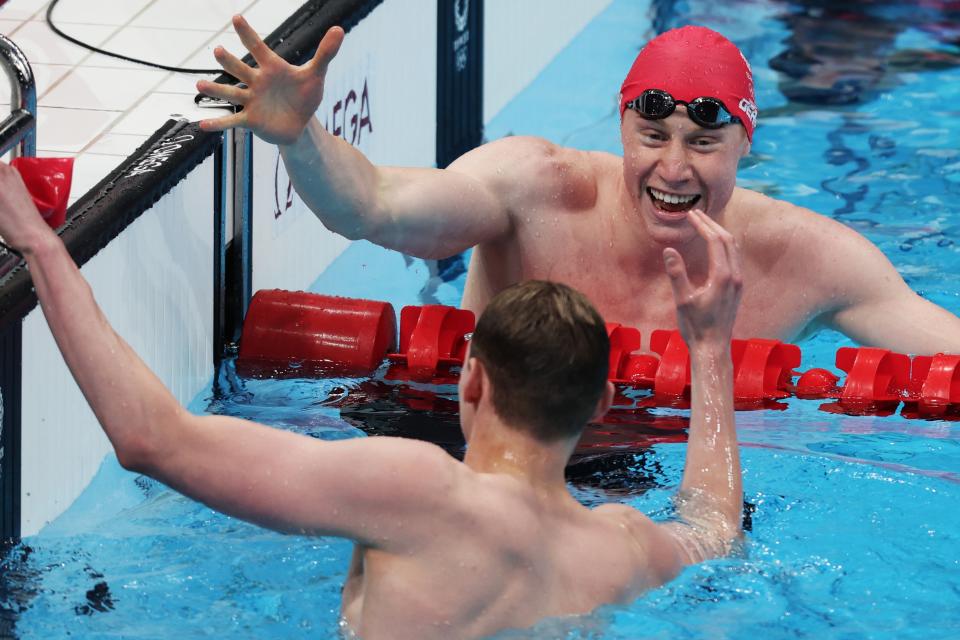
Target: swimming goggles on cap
<point x="657" y="104"/>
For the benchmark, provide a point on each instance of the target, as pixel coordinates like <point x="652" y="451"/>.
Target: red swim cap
<point x="693" y="62"/>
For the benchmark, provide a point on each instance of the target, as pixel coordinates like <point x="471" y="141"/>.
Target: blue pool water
<point x="854" y="523"/>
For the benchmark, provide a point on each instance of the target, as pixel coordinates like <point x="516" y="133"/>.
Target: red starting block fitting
<point x="431" y="337"/>
<point x="48" y="181"/>
<point x="762" y="369"/>
<point x="297" y="334"/>
<point x="672" y="378"/>
<point x="935" y="386"/>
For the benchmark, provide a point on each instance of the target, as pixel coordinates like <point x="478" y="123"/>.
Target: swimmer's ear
<point x="746" y="146"/>
<point x="603" y="405"/>
<point x="472" y="381"/>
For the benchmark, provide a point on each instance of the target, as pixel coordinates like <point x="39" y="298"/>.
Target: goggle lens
<point x="656" y="104"/>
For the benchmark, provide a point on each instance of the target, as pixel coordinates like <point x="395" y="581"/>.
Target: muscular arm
<point x="429" y="213"/>
<point x="363" y="489"/>
<point x="877" y="308"/>
<point x="710" y="500"/>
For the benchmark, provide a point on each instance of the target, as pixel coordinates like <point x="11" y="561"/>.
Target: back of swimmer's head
<point x="546" y="352"/>
<point x="693" y="62"/>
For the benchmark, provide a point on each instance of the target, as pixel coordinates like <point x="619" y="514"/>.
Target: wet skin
<point x="606" y="232"/>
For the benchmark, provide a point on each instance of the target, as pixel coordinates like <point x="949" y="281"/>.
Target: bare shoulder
<point x="655" y="548"/>
<point x="411" y="467"/>
<point x="775" y="232"/>
<point x="634" y="522"/>
<point x="761" y="217"/>
<point x="525" y="170"/>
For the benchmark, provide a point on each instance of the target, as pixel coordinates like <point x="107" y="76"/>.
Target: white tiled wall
<point x="98" y="109"/>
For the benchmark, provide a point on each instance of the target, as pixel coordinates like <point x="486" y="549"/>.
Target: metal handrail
<point x="18" y="132"/>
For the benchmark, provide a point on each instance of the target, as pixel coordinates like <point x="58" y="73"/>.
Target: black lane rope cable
<point x="120" y="56"/>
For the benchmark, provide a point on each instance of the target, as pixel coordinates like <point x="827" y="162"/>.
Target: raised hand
<point x="707" y="313"/>
<point x="280" y="98"/>
<point x="20" y="222"/>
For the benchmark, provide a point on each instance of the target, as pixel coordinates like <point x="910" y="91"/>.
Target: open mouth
<point x="672" y="202"/>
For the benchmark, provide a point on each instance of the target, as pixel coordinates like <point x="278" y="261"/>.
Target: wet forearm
<point x="128" y="400"/>
<point x="337" y="182"/>
<point x="712" y="471"/>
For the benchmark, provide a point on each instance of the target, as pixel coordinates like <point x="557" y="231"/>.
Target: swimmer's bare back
<point x="507" y="559"/>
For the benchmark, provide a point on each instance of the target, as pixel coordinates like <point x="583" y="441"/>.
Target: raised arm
<point x="430" y="213"/>
<point x="710" y="502"/>
<point x="364" y="489"/>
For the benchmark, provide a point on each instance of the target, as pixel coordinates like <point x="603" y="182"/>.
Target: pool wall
<point x="521" y="40"/>
<point x="175" y="240"/>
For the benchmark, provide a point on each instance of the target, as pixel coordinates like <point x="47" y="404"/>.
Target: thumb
<point x="327" y="49"/>
<point x="676" y="270"/>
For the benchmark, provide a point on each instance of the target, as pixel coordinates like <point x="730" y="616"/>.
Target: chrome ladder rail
<point x="18" y="132"/>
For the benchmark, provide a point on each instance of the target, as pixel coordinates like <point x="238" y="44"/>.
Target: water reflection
<point x="846" y="52"/>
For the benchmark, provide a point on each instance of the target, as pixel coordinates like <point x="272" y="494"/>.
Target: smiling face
<point x="673" y="165"/>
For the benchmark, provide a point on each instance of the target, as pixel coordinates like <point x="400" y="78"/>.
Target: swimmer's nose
<point x="674" y="165"/>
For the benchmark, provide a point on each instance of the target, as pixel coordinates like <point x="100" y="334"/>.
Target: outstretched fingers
<point x="231" y="121"/>
<point x="234" y="65"/>
<point x="252" y="41"/>
<point x="327" y="49"/>
<point x="228" y="92"/>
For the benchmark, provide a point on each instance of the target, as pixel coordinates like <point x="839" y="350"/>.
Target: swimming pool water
<point x="854" y="524"/>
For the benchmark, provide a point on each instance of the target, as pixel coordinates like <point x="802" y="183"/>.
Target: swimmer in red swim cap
<point x="602" y="223"/>
<point x="717" y="90"/>
<point x="688" y="116"/>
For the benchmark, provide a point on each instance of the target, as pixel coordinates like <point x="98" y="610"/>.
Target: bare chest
<point x="597" y="263"/>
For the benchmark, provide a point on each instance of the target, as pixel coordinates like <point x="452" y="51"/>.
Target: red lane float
<point x="289" y="334"/>
<point x="672" y="378"/>
<point x="433" y="338"/>
<point x="294" y="334"/>
<point x="763" y="369"/>
<point x="935" y="387"/>
<point x="627" y="367"/>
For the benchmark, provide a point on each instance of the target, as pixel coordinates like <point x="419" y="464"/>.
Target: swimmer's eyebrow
<point x="643" y="123"/>
<point x="701" y="132"/>
<point x="696" y="132"/>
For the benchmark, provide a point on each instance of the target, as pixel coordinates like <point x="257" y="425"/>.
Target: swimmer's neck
<point x="497" y="447"/>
